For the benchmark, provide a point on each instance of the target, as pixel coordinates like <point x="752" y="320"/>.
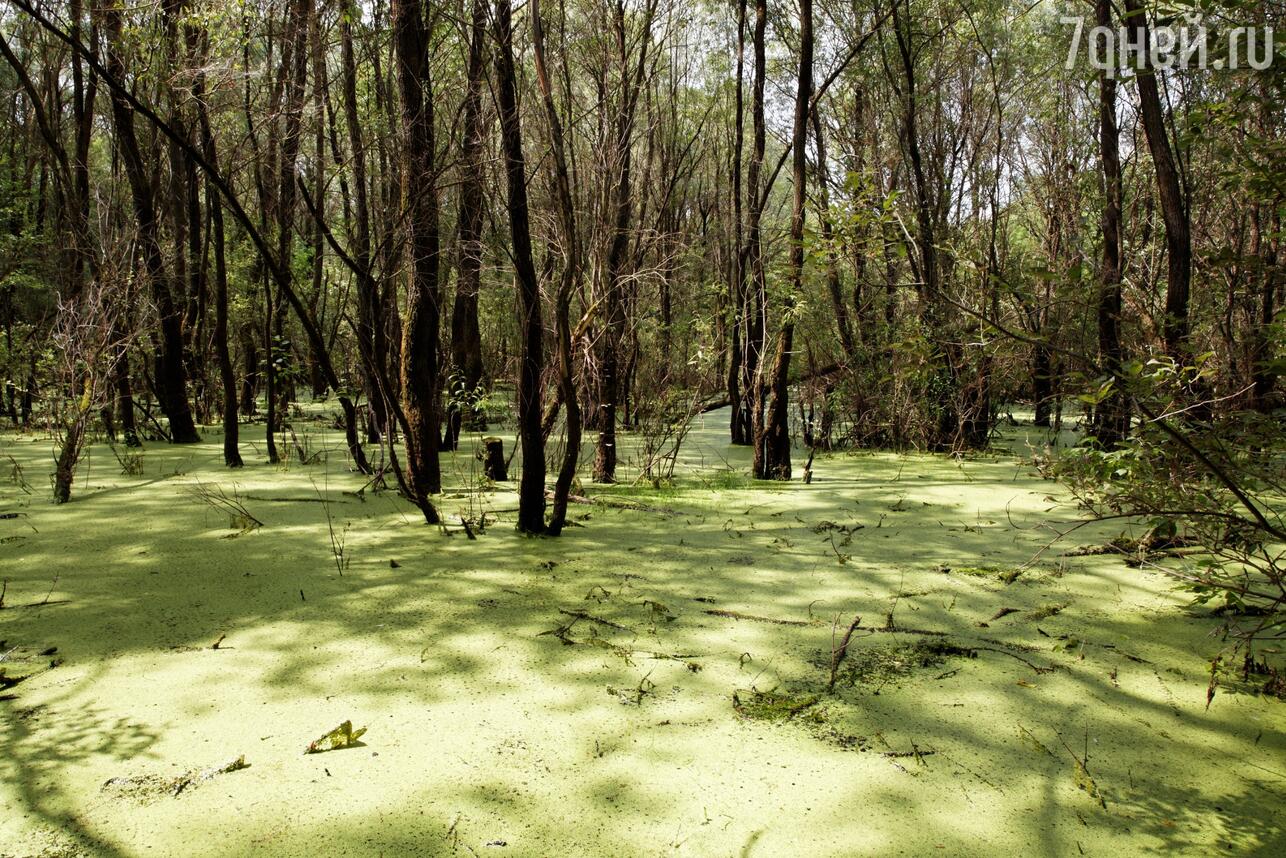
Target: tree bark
<point x="370" y="315"/>
<point x="172" y="377"/>
<point x="466" y="336"/>
<point x="419" y="368"/>
<point x="1112" y="415"/>
<point x="772" y="444"/>
<point x="737" y="274"/>
<point x="611" y="377"/>
<point x="749" y="409"/>
<point x="839" y="304"/>
<point x="1174" y="204"/>
<point x="227" y="375"/>
<point x="1263" y="373"/>
<point x="531" y="488"/>
<point x="567" y="284"/>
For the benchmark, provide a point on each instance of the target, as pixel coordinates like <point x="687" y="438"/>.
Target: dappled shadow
<point x="42" y="744"/>
<point x="575" y="695"/>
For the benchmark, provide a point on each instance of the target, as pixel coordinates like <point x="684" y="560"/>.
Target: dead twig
<point x="838" y="653"/>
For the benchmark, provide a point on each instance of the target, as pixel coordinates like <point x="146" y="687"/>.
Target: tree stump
<point x="493" y="459"/>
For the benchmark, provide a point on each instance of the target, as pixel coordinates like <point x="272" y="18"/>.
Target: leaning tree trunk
<point x="1174" y="204"/>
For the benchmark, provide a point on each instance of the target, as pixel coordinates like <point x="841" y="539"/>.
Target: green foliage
<point x="1212" y="486"/>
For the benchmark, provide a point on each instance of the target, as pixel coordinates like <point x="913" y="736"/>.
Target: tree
<point x="531" y="489"/>
<point x="420" y="382"/>
<point x="772" y="441"/>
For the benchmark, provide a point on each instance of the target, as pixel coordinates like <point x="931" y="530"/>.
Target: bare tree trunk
<point x="569" y="281"/>
<point x="926" y="264"/>
<point x="753" y="307"/>
<point x="466" y="337"/>
<point x="370" y="315"/>
<point x="1174" y="204"/>
<point x="1042" y="383"/>
<point x="611" y="377"/>
<point x="227" y="376"/>
<point x="737" y="270"/>
<point x="772" y="443"/>
<point x="250" y="377"/>
<point x="1264" y="375"/>
<point x="839" y="303"/>
<point x="1112" y="416"/>
<point x="419" y="367"/>
<point x="172" y="378"/>
<point x="531" y="488"/>
<point x="272" y="353"/>
<point x="295" y="75"/>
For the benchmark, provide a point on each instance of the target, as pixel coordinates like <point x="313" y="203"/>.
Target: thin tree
<point x="531" y="487"/>
<point x="772" y="442"/>
<point x="419" y="368"/>
<point x="1112" y="415"/>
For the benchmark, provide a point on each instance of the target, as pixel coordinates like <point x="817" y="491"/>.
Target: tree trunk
<point x="772" y="444"/>
<point x="1042" y="384"/>
<point x="838" y="302"/>
<point x="737" y="273"/>
<point x="227" y="375"/>
<point x="926" y="263"/>
<point x="68" y="456"/>
<point x="611" y="377"/>
<point x="1112" y="415"/>
<point x="531" y="488"/>
<point x="466" y="336"/>
<point x="1263" y="373"/>
<point x="250" y="377"/>
<point x="1174" y="204"/>
<point x="569" y="281"/>
<point x="370" y="316"/>
<point x="172" y="377"/>
<point x="419" y="368"/>
<point x="753" y="307"/>
<point x="494" y="466"/>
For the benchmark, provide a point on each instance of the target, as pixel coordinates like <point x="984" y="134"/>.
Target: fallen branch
<point x="735" y="615"/>
<point x="581" y="615"/>
<point x="837" y="654"/>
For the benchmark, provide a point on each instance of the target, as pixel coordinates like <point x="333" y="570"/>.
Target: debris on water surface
<point x="343" y="736"/>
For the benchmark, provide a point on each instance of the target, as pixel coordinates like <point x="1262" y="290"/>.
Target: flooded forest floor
<point x="667" y="678"/>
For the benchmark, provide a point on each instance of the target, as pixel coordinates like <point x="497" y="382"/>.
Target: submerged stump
<point x="493" y="459"/>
